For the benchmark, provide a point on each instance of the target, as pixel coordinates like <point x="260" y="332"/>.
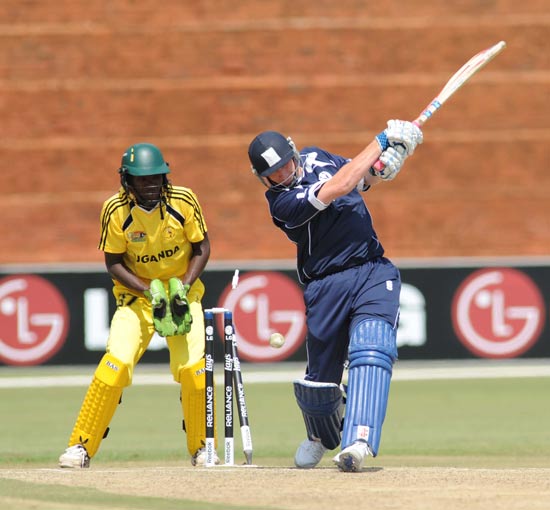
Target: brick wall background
<point x="82" y="80"/>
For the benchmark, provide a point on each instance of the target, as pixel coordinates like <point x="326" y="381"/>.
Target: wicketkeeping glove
<point x="403" y="136"/>
<point x="179" y="304"/>
<point x="162" y="316"/>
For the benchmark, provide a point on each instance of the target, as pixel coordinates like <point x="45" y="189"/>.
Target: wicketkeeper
<point x="155" y="244"/>
<point x="351" y="290"/>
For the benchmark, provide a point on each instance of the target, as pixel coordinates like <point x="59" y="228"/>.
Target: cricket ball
<point x="276" y="340"/>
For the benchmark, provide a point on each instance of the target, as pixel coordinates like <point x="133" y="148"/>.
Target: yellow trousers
<point x="131" y="332"/>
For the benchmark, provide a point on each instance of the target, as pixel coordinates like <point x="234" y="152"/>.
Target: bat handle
<point x="378" y="165"/>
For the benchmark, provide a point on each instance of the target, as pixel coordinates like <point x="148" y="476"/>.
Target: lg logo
<point x="498" y="313"/>
<point x="34" y="320"/>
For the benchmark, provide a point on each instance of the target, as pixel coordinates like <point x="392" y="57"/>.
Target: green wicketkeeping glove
<point x="179" y="304"/>
<point x="162" y="316"/>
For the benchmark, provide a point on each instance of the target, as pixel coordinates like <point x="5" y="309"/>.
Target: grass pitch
<point x="446" y="420"/>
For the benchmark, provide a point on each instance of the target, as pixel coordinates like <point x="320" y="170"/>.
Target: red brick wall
<point x="81" y="81"/>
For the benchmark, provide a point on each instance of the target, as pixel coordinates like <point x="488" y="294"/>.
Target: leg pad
<point x="100" y="403"/>
<point x="193" y="403"/>
<point x="322" y="406"/>
<point x="372" y="353"/>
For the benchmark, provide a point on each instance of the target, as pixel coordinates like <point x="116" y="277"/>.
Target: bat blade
<point x="457" y="80"/>
<point x="475" y="64"/>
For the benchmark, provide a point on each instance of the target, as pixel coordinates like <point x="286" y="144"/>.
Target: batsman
<point x="155" y="244"/>
<point x="351" y="291"/>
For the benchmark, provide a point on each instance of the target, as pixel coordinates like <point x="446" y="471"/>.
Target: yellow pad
<point x="193" y="402"/>
<point x="100" y="403"/>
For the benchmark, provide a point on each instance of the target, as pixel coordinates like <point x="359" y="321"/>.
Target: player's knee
<point x="191" y="375"/>
<point x="375" y="340"/>
<point x="113" y="372"/>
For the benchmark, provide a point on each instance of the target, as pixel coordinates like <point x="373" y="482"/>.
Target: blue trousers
<point x="336" y="303"/>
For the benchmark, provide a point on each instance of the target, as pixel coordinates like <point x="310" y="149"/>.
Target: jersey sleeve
<point x="296" y="206"/>
<point x="112" y="238"/>
<point x="195" y="225"/>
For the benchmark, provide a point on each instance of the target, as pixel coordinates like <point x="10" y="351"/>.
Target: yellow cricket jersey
<point x="156" y="243"/>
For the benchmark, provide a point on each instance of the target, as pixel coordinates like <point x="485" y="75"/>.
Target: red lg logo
<point x="262" y="304"/>
<point x="33" y="320"/>
<point x="498" y="313"/>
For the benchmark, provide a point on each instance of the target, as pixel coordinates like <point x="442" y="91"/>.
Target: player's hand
<point x="393" y="160"/>
<point x="162" y="316"/>
<point x="179" y="304"/>
<point x="403" y="136"/>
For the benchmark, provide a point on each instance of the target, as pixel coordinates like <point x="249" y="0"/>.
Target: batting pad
<point x="372" y="353"/>
<point x="321" y="405"/>
<point x="193" y="403"/>
<point x="100" y="403"/>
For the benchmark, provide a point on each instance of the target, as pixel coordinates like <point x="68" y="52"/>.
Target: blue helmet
<point x="269" y="151"/>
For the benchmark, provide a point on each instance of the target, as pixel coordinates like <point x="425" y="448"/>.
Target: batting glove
<point x="179" y="305"/>
<point x="403" y="136"/>
<point x="162" y="316"/>
<point x="393" y="160"/>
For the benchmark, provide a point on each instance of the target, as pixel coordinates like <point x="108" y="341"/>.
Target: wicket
<point x="233" y="382"/>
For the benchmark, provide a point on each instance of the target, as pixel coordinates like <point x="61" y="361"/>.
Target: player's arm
<point x="199" y="259"/>
<point x="179" y="302"/>
<point x="391" y="146"/>
<point x="116" y="268"/>
<point x="155" y="293"/>
<point x="346" y="179"/>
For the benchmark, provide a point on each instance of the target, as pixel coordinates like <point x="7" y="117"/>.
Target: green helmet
<point x="143" y="159"/>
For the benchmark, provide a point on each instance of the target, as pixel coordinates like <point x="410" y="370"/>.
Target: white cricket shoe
<point x="75" y="457"/>
<point x="352" y="458"/>
<point x="309" y="454"/>
<point x="199" y="459"/>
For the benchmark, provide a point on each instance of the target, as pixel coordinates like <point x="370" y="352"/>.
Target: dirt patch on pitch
<point x="323" y="488"/>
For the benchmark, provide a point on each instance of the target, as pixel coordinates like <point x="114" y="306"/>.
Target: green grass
<point x="476" y="417"/>
<point x="447" y="419"/>
<point x="23" y="493"/>
<point x="146" y="427"/>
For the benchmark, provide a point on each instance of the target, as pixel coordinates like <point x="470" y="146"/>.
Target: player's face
<point x="285" y="175"/>
<point x="147" y="189"/>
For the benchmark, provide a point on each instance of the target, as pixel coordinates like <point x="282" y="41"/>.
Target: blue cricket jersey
<point x="329" y="238"/>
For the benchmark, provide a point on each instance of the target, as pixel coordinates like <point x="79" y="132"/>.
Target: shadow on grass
<point x="31" y="495"/>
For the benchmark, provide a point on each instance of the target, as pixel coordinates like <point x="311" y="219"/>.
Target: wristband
<point x="382" y="140"/>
